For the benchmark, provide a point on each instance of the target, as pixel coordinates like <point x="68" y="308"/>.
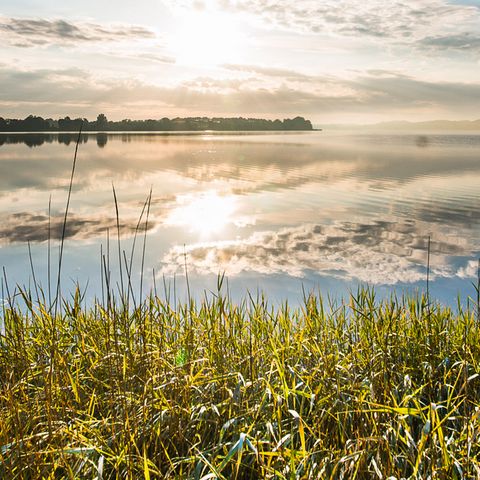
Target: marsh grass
<point x="219" y="389"/>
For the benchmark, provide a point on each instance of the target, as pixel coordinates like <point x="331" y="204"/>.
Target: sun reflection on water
<point x="206" y="213"/>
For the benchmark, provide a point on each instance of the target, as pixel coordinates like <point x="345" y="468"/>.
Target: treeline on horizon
<point x="38" y="124"/>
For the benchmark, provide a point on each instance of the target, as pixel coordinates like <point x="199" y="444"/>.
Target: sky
<point x="332" y="61"/>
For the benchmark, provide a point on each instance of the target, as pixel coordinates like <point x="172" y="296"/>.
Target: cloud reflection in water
<point x="27" y="227"/>
<point x="378" y="252"/>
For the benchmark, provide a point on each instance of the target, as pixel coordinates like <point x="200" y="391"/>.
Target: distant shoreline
<point x="36" y="124"/>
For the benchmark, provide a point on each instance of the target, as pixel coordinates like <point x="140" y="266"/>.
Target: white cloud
<point x="28" y="32"/>
<point x="397" y="21"/>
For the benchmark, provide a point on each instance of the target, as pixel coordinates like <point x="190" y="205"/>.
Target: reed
<point x="219" y="389"/>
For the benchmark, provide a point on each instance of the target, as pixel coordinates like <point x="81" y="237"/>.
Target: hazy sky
<point x="332" y="61"/>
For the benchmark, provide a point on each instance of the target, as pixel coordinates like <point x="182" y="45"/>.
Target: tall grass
<point x="219" y="389"/>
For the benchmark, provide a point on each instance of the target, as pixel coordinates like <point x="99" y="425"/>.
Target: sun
<point x="207" y="38"/>
<point x="205" y="214"/>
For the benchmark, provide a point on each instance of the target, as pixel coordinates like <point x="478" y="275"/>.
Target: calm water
<point x="275" y="212"/>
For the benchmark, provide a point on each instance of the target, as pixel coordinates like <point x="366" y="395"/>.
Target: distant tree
<point x="101" y="122"/>
<point x="32" y="123"/>
<point x="52" y="124"/>
<point x="297" y="123"/>
<point x="64" y="123"/>
<point x="165" y="124"/>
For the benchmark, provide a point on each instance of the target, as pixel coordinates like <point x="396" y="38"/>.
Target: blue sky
<point x="334" y="61"/>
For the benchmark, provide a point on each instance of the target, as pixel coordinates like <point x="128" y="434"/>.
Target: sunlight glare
<point x="207" y="39"/>
<point x="207" y="214"/>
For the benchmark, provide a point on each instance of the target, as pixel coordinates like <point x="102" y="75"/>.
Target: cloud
<point x="24" y="32"/>
<point x="377" y="252"/>
<point x="154" y="57"/>
<point x="53" y="92"/>
<point x="397" y="90"/>
<point x="33" y="227"/>
<point x="283" y="73"/>
<point x="216" y="85"/>
<point x="397" y="22"/>
<point x="381" y="89"/>
<point x="460" y="42"/>
<point x="137" y="56"/>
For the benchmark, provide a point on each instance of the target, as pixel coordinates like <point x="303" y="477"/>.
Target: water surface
<point x="277" y="212"/>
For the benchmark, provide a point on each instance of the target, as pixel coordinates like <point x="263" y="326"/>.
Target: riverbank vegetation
<point x="355" y="389"/>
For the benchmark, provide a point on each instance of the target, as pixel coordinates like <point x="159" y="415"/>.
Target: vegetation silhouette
<point x="38" y="124"/>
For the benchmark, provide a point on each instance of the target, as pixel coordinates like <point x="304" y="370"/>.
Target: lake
<point x="279" y="213"/>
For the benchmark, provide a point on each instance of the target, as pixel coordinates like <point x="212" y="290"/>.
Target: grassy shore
<point x="367" y="389"/>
